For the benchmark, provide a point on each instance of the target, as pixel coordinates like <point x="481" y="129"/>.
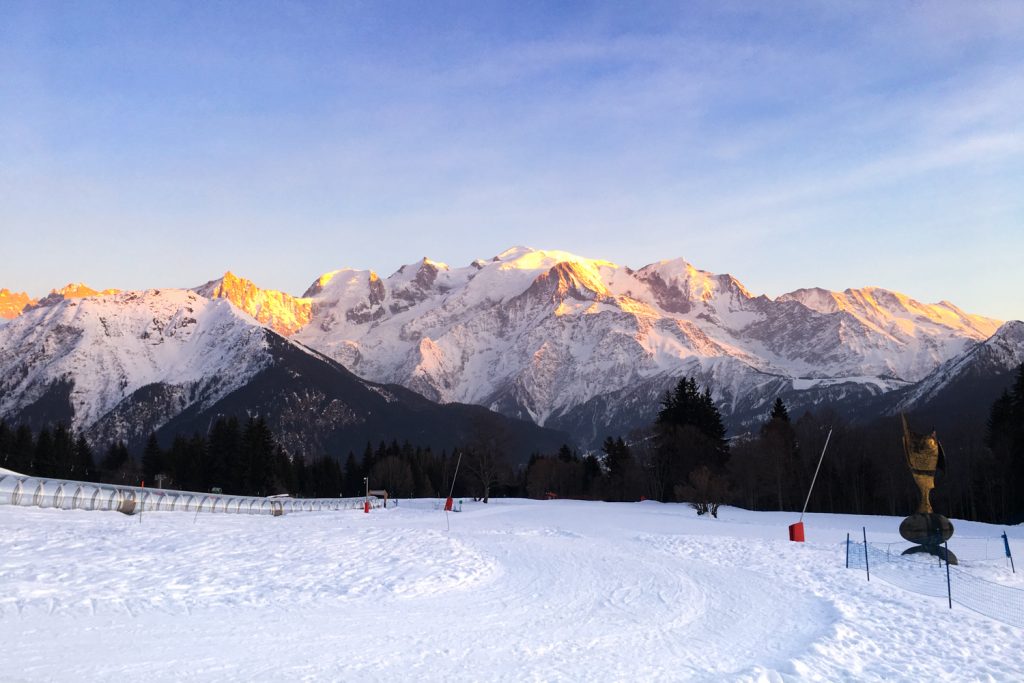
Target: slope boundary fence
<point x="927" y="575"/>
<point x="62" y="494"/>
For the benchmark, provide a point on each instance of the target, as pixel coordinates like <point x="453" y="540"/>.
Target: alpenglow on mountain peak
<point x="541" y="334"/>
<point x="579" y="343"/>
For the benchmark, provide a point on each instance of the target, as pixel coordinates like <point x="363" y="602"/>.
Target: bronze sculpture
<point x="926" y="528"/>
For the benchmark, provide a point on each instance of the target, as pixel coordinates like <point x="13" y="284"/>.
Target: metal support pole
<point x="451" y="491"/>
<point x="815" y="478"/>
<point x="1006" y="542"/>
<point x="949" y="587"/>
<point x="867" y="564"/>
<point x="457" y="463"/>
<point x="847" y="549"/>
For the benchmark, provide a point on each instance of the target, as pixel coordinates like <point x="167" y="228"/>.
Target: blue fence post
<point x="949" y="588"/>
<point x="847" y="549"/>
<point x="1006" y="542"/>
<point x="867" y="564"/>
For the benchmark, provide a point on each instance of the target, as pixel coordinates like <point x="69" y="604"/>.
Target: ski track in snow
<point x="518" y="590"/>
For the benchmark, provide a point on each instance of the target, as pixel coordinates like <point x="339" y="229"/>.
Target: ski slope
<point x="516" y="590"/>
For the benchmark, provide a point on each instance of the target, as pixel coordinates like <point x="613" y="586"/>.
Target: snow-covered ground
<point x="517" y="590"/>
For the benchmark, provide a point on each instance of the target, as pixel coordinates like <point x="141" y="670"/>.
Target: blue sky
<point x="790" y="144"/>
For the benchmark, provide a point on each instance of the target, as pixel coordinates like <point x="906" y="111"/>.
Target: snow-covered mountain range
<point x="78" y="359"/>
<point x="587" y="344"/>
<point x="573" y="343"/>
<point x="121" y="365"/>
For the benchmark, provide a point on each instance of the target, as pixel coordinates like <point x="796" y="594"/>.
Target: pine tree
<point x="43" y="459"/>
<point x="1005" y="438"/>
<point x="590" y="468"/>
<point x="176" y="463"/>
<point x="63" y="452"/>
<point x="1016" y="431"/>
<point x="152" y="459"/>
<point x="620" y="464"/>
<point x="283" y="478"/>
<point x="22" y="450"/>
<point x="84" y="467"/>
<point x="6" y="444"/>
<point x="353" y="475"/>
<point x="778" y="441"/>
<point x="225" y="469"/>
<point x="369" y="456"/>
<point x="117" y="464"/>
<point x="258" y="448"/>
<point x="195" y="451"/>
<point x="779" y="411"/>
<point x="688" y="433"/>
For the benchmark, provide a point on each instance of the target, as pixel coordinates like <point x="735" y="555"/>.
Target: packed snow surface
<point x="516" y="590"/>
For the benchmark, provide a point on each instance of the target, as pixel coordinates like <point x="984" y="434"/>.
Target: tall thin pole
<point x="447" y="523"/>
<point x="457" y="463"/>
<point x="847" y="549"/>
<point x="1006" y="543"/>
<point x="867" y="564"/>
<point x="815" y="478"/>
<point x="949" y="588"/>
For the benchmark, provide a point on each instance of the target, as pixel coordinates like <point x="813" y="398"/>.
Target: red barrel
<point x="796" y="532"/>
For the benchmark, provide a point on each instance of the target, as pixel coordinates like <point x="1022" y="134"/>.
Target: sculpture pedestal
<point x="929" y="531"/>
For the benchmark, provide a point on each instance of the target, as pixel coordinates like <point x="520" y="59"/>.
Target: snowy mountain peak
<point x="79" y="290"/>
<point x="281" y="312"/>
<point x="320" y="283"/>
<point x="994" y="360"/>
<point x="580" y="343"/>
<point x="73" y="290"/>
<point x="13" y="303"/>
<point x="579" y="280"/>
<point x="89" y="354"/>
<point x="550" y="335"/>
<point x="892" y="313"/>
<point x="1010" y="336"/>
<point x="427" y="263"/>
<point x="526" y="258"/>
<point x="678" y="287"/>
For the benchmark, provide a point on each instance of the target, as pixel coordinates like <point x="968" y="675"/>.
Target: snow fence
<point x="64" y="494"/>
<point x="927" y="575"/>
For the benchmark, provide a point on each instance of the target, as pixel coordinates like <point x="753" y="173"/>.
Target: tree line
<point x="235" y="459"/>
<point x="684" y="456"/>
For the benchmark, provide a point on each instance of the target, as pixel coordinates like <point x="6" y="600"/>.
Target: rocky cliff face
<point x="74" y="290"/>
<point x="13" y="303"/>
<point x="283" y="313"/>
